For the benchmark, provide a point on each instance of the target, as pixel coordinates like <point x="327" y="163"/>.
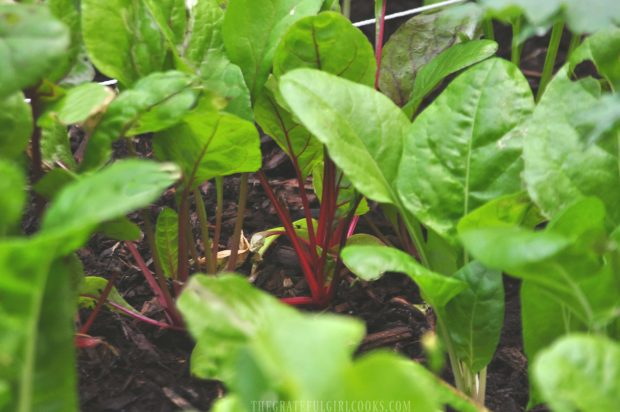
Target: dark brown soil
<point x="142" y="368"/>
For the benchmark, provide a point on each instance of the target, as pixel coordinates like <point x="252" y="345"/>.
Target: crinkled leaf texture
<point x="456" y="156"/>
<point x="416" y="43"/>
<point x="132" y="45"/>
<point x="554" y="152"/>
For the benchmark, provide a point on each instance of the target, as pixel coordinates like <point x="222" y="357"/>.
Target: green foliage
<point x="326" y="42"/>
<point x="167" y="241"/>
<point x="132" y="46"/>
<point x="251" y="32"/>
<point x="417" y="42"/>
<point x="261" y="348"/>
<point x="207" y="144"/>
<point x="580" y="372"/>
<point x="33" y="43"/>
<point x="15" y="126"/>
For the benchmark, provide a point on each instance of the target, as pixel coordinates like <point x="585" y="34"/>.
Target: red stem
<point x="299" y="301"/>
<point x="139" y="316"/>
<point x="100" y="301"/>
<point x="379" y="44"/>
<point x="162" y="295"/>
<point x="285" y="218"/>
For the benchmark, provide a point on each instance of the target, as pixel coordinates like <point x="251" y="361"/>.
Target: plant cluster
<point x="477" y="175"/>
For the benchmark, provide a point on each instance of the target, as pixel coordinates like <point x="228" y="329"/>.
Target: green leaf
<point x="220" y="76"/>
<point x="210" y="144"/>
<point x="33" y="41"/>
<point x="12" y="196"/>
<point x="379" y="376"/>
<point x="167" y="241"/>
<point x="252" y="30"/>
<point x="154" y="103"/>
<point x="53" y="181"/>
<point x="509" y="210"/>
<point x="455" y="158"/>
<point x="93" y="286"/>
<point x="416" y="43"/>
<point x="371" y="262"/>
<point x="362" y="129"/>
<point x="474" y="318"/>
<point x="15" y="126"/>
<point x="36" y="344"/>
<point x="80" y="103"/>
<point x="451" y="60"/>
<point x="67" y="11"/>
<point x="56" y="147"/>
<point x="204" y="31"/>
<point x="512" y="248"/>
<point x="328" y="42"/>
<point x="582" y="17"/>
<point x="294" y="139"/>
<point x="601" y="121"/>
<point x="544" y="319"/>
<point x="224" y="313"/>
<point x="580" y="372"/>
<point x="121" y="229"/>
<point x="132" y="46"/>
<point x="109" y="194"/>
<point x="602" y="49"/>
<point x="554" y="153"/>
<point x="55" y="380"/>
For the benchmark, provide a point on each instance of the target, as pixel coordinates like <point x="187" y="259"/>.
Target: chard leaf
<point x="204" y="31"/>
<point x="15" y="126"/>
<point x="372" y="378"/>
<point x="474" y="318"/>
<point x="93" y="286"/>
<point x="109" y="194"/>
<point x="454" y="157"/>
<point x="55" y="146"/>
<point x="67" y="11"/>
<point x="132" y="46"/>
<point x="544" y="319"/>
<point x="154" y="103"/>
<point x="33" y="42"/>
<point x="416" y="43"/>
<point x="38" y="359"/>
<point x="12" y="196"/>
<point x="371" y="262"/>
<point x="554" y="153"/>
<point x="509" y="210"/>
<point x="362" y="129"/>
<point x="580" y="372"/>
<point x="602" y="49"/>
<point x="121" y="229"/>
<point x="167" y="241"/>
<point x="294" y="139"/>
<point x="80" y="103"/>
<point x="328" y="42"/>
<point x="220" y="76"/>
<point x="449" y="61"/>
<point x="582" y="17"/>
<point x="210" y="144"/>
<point x="252" y="29"/>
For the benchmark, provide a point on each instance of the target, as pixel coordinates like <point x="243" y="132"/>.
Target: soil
<point x="139" y="367"/>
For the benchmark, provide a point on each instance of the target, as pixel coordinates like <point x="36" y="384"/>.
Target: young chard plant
<point x="330" y="43"/>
